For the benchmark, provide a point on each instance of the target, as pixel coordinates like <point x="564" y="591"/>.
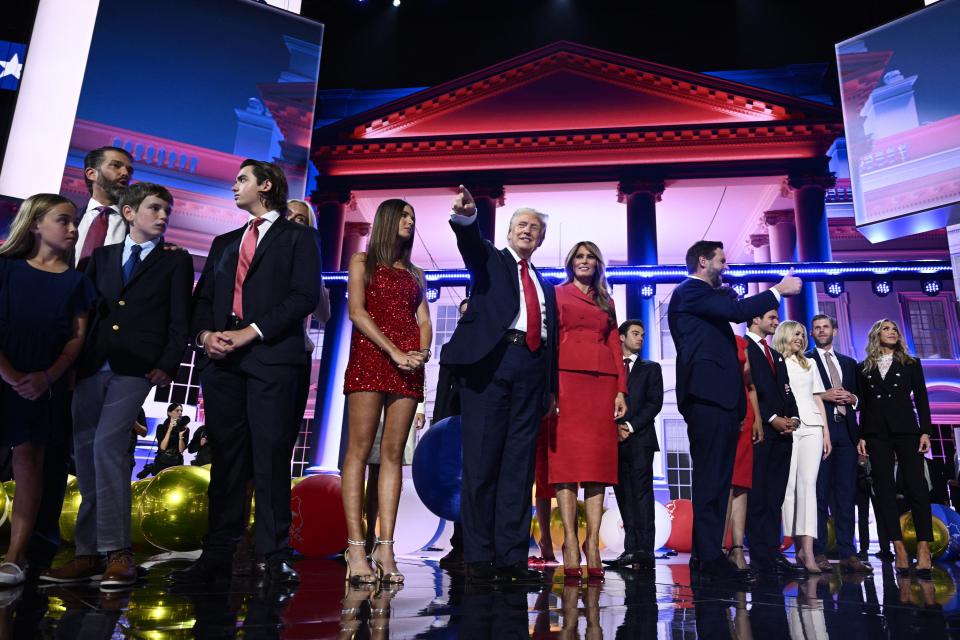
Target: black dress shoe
<point x="885" y="555"/>
<point x="281" y="572"/>
<point x="623" y="560"/>
<point x="781" y="564"/>
<point x="480" y="572"/>
<point x="518" y="574"/>
<point x="453" y="559"/>
<point x="721" y="569"/>
<point x="204" y="571"/>
<point x="864" y="555"/>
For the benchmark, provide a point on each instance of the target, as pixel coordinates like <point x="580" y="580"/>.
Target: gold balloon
<point x="10" y="488"/>
<point x="941" y="591"/>
<point x="136" y="531"/>
<point x="831" y="536"/>
<point x="173" y="508"/>
<point x="5" y="508"/>
<point x="941" y="536"/>
<point x="68" y="514"/>
<point x="556" y="525"/>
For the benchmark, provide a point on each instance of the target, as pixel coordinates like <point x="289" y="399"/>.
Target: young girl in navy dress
<point x="44" y="304"/>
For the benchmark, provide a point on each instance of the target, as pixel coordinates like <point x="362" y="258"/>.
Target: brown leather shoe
<point x="823" y="563"/>
<point x="121" y="570"/>
<point x="853" y="564"/>
<point x="80" y="569"/>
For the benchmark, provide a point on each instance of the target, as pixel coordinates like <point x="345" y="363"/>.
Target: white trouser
<point x="800" y="500"/>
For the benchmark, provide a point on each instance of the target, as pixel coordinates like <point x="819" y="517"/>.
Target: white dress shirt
<point x="268" y="219"/>
<point x="145" y="248"/>
<point x="629" y="367"/>
<point x="520" y="321"/>
<point x="116" y="229"/>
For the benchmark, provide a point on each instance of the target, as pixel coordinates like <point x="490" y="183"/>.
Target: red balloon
<point x="318" y="527"/>
<point x="786" y="544"/>
<point x="681" y="533"/>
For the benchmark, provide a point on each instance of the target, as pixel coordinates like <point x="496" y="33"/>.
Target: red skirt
<point x="743" y="463"/>
<point x="583" y="443"/>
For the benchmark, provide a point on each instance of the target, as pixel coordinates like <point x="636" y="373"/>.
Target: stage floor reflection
<point x="435" y="603"/>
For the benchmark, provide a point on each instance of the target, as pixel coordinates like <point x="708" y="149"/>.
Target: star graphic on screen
<point x="11" y="67"/>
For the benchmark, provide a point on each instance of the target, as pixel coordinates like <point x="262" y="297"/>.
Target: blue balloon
<point x="438" y="468"/>
<point x="951" y="519"/>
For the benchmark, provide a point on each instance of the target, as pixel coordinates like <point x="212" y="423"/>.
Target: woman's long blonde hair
<point x="601" y="290"/>
<point x="873" y="346"/>
<point x="784" y="335"/>
<point x="20" y="240"/>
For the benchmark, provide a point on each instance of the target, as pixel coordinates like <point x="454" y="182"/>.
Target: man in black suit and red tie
<point x="258" y="284"/>
<point x="771" y="456"/>
<point x="638" y="443"/>
<point x="709" y="389"/>
<point x="504" y="351"/>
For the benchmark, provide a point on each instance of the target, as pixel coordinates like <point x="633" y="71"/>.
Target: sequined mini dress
<point x="392" y="298"/>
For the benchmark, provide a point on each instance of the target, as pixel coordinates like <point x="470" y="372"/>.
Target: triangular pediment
<point x="570" y="87"/>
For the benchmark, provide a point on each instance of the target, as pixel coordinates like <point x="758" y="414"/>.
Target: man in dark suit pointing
<point x="504" y="352"/>
<point x="709" y="389"/>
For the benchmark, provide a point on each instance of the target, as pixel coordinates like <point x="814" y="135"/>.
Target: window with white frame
<point x="838" y="308"/>
<point x="930" y="324"/>
<point x="679" y="468"/>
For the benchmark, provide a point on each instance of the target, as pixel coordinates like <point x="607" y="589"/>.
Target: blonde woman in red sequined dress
<point x="388" y="349"/>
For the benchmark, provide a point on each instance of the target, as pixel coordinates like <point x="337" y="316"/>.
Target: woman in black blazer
<point x="888" y="426"/>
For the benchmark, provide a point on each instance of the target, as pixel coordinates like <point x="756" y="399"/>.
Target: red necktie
<point x="533" y="307"/>
<point x="766" y="352"/>
<point x="247" y="248"/>
<point x="97" y="233"/>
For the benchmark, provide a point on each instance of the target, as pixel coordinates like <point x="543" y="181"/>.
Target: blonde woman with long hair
<point x="889" y="427"/>
<point x="44" y="304"/>
<point x="582" y="444"/>
<point x="811" y="442"/>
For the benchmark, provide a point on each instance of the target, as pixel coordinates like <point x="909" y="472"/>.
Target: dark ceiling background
<point x="372" y="44"/>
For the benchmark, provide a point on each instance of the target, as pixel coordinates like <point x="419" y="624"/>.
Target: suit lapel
<point x="153" y="258"/>
<point x="514" y="271"/>
<point x="821" y="367"/>
<point x="112" y="279"/>
<point x="276" y="229"/>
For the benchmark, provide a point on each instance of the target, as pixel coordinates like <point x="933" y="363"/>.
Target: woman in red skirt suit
<point x="592" y="395"/>
<point x="751" y="432"/>
<point x="390" y="344"/>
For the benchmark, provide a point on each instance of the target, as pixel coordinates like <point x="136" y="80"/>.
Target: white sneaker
<point x="11" y="578"/>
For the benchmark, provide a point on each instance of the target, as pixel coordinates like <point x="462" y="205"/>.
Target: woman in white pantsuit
<point x="811" y="442"/>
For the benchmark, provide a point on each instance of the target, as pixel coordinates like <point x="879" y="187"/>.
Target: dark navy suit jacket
<point x="644" y="401"/>
<point x="494" y="303"/>
<point x="707" y="364"/>
<point x="773" y="389"/>
<point x="847" y="425"/>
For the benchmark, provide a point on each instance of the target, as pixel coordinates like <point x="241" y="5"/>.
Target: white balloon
<point x="611" y="530"/>
<point x="663" y="524"/>
<point x="416" y="525"/>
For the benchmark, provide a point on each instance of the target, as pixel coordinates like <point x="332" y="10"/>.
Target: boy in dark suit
<point x="258" y="284"/>
<point x="137" y="336"/>
<point x="638" y="443"/>
<point x="771" y="456"/>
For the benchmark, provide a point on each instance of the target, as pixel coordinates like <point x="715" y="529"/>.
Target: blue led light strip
<point x="765" y="272"/>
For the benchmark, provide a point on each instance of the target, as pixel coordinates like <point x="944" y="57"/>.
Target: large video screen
<point x="191" y="89"/>
<point x="901" y="112"/>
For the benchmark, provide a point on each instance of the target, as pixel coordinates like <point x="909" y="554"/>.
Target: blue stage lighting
<point x="647" y="290"/>
<point x="433" y="294"/>
<point x="882" y="287"/>
<point x="930" y="286"/>
<point x="834" y="288"/>
<point x="740" y="288"/>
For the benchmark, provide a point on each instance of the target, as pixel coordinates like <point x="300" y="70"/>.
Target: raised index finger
<point x="467" y="196"/>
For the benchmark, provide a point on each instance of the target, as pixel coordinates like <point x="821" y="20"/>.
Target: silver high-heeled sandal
<point x="358" y="579"/>
<point x="392" y="577"/>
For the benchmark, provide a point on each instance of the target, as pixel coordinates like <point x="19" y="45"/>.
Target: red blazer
<point x="589" y="340"/>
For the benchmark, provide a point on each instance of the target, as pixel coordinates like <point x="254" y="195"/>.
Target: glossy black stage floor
<point x="437" y="604"/>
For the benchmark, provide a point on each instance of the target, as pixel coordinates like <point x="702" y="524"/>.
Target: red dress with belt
<point x="392" y="298"/>
<point x="582" y="443"/>
<point x="743" y="463"/>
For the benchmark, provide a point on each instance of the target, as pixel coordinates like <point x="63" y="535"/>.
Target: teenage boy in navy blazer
<point x="638" y="443"/>
<point x="710" y="392"/>
<point x="138" y="333"/>
<point x="771" y="456"/>
<point x="837" y="480"/>
<point x="257" y="286"/>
